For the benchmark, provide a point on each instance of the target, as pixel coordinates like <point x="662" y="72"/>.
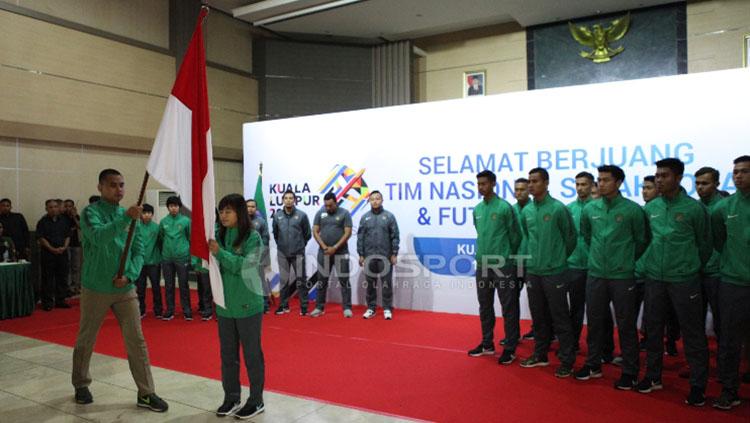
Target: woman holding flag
<point x="238" y="250"/>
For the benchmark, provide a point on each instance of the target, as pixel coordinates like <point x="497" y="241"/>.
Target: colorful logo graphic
<point x="347" y="184"/>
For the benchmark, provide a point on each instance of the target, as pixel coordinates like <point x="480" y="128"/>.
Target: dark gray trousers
<point x="688" y="306"/>
<point x="548" y="302"/>
<point x="488" y="281"/>
<point x="621" y="292"/>
<point x="153" y="273"/>
<point x="325" y="266"/>
<point x="169" y="269"/>
<point x="246" y="332"/>
<point x="734" y="302"/>
<point x="287" y="286"/>
<point x="711" y="298"/>
<point x="379" y="266"/>
<point x="577" y="298"/>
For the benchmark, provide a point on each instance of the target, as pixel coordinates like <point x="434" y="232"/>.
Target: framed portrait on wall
<point x="746" y="50"/>
<point x="474" y="83"/>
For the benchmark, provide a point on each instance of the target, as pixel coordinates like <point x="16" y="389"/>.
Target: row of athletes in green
<point x="674" y="243"/>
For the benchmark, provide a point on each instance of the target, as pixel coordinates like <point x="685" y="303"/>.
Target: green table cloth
<point x="16" y="293"/>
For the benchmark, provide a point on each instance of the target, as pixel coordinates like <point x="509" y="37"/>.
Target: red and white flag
<point x="182" y="157"/>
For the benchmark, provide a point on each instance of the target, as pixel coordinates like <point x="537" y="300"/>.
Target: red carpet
<point x="414" y="366"/>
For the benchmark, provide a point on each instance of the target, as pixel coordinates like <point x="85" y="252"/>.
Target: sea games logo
<point x="347" y="184"/>
<point x="349" y="187"/>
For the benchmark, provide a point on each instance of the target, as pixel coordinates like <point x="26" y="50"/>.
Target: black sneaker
<point x="83" y="396"/>
<point x="207" y="317"/>
<point x="563" y="371"/>
<point x="281" y="310"/>
<point x="249" y="410"/>
<point x="167" y="317"/>
<point x="502" y="342"/>
<point x="188" y="318"/>
<point x="303" y="312"/>
<point x="727" y="400"/>
<point x="228" y="408"/>
<point x="626" y="382"/>
<point x="506" y="358"/>
<point x="153" y="403"/>
<point x="607" y="359"/>
<point x="697" y="397"/>
<point x="480" y="350"/>
<point x="529" y="336"/>
<point x="587" y="372"/>
<point x="647" y="385"/>
<point x="534" y="361"/>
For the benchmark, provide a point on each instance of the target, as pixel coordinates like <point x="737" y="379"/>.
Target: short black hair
<point x="649" y="178"/>
<point x="251" y="199"/>
<point x="375" y="192"/>
<point x="148" y="208"/>
<point x="104" y="174"/>
<point x="487" y="174"/>
<point x="6" y="200"/>
<point x="289" y="192"/>
<point x="585" y="175"/>
<point x="742" y="159"/>
<point x="673" y="164"/>
<point x="615" y="171"/>
<point x="708" y="171"/>
<point x="329" y="196"/>
<point x="173" y="199"/>
<point x="521" y="181"/>
<point x="68" y="200"/>
<point x="94" y="198"/>
<point x="51" y="200"/>
<point x="542" y="171"/>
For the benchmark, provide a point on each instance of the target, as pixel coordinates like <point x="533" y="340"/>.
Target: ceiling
<point x="376" y="21"/>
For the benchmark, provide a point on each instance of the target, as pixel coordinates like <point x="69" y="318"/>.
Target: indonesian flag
<point x="182" y="157"/>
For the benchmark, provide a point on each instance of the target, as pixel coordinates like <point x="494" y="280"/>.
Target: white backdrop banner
<point x="424" y="159"/>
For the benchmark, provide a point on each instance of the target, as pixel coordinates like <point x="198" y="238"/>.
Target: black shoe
<point x="207" y="317"/>
<point x="506" y="358"/>
<point x="167" y="317"/>
<point x="228" y="408"/>
<point x="697" y="397"/>
<point x="249" y="410"/>
<point x="281" y="310"/>
<point x="303" y="312"/>
<point x="188" y="318"/>
<point x="153" y="403"/>
<point x="671" y="348"/>
<point x="480" y="350"/>
<point x="647" y="385"/>
<point x="626" y="382"/>
<point x="529" y="336"/>
<point x="607" y="359"/>
<point x="62" y="304"/>
<point x="83" y="396"/>
<point x="587" y="372"/>
<point x="502" y="342"/>
<point x="534" y="361"/>
<point x="563" y="371"/>
<point x="727" y="400"/>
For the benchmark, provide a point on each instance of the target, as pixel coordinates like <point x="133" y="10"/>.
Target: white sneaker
<point x="317" y="313"/>
<point x="369" y="313"/>
<point x="387" y="314"/>
<point x="347" y="313"/>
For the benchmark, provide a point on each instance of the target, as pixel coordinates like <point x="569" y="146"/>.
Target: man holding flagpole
<point x="104" y="227"/>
